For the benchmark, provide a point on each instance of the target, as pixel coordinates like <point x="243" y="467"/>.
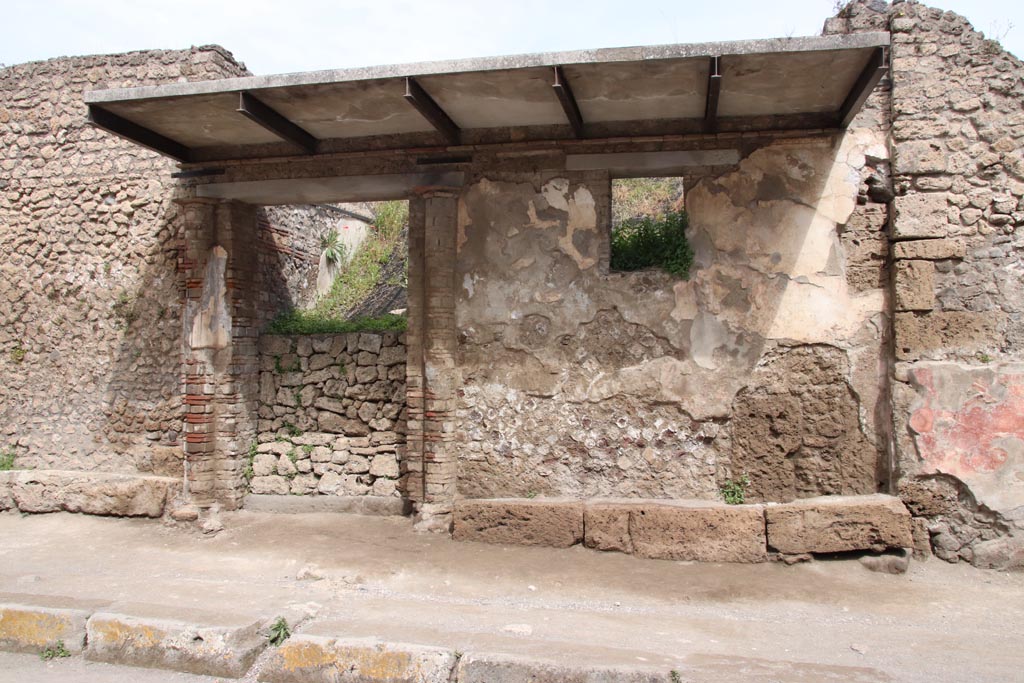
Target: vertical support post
<point x="219" y="357"/>
<point x="432" y="372"/>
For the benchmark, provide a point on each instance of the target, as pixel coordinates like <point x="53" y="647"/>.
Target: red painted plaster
<point x="961" y="441"/>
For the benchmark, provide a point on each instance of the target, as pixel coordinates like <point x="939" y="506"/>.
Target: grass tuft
<point x="653" y="242"/>
<point x="316" y="322"/>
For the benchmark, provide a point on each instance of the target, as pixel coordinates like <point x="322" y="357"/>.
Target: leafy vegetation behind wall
<point x="356" y="279"/>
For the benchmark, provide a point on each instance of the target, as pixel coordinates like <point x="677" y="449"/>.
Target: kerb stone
<point x="553" y="523"/>
<point x="160" y="644"/>
<point x="32" y="629"/>
<point x="832" y="524"/>
<point x="316" y="659"/>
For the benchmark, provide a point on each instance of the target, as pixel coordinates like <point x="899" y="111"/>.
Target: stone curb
<point x="29" y="629"/>
<point x="691" y="530"/>
<point x="319" y="659"/>
<point x="179" y="646"/>
<point x="232" y="652"/>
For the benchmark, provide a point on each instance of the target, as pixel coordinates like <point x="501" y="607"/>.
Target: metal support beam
<point x="876" y="67"/>
<point x="133" y="132"/>
<point x="568" y="102"/>
<point x="425" y="104"/>
<point x="258" y="112"/>
<point x="714" y="90"/>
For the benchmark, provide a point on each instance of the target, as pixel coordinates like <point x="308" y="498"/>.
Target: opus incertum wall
<point x="852" y="324"/>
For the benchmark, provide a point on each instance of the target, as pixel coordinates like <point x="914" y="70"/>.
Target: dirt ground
<point x="374" y="577"/>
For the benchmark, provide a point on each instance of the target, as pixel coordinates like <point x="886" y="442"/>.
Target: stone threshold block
<point x="32" y="629"/>
<point x="698" y="530"/>
<point x="376" y="506"/>
<point x="91" y="493"/>
<point x="833" y="524"/>
<point x="226" y="649"/>
<point x="319" y="659"/>
<point x="556" y="523"/>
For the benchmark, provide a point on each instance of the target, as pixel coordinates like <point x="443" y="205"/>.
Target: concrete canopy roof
<point x="761" y="85"/>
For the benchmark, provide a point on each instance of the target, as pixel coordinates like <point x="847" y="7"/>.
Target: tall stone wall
<point x="90" y="320"/>
<point x="767" y="361"/>
<point x="957" y="143"/>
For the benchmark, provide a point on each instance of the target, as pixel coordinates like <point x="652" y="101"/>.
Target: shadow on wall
<point x="143" y="397"/>
<point x="585" y="383"/>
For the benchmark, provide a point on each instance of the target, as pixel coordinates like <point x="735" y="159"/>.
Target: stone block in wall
<point x="920" y="156"/>
<point x="704" y="532"/>
<point x="833" y="524"/>
<point x="920" y="215"/>
<point x="552" y="523"/>
<point x="930" y="250"/>
<point x="915" y="286"/>
<point x="91" y="493"/>
<point x="943" y="332"/>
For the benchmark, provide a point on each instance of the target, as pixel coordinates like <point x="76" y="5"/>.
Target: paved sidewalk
<point x="352" y="584"/>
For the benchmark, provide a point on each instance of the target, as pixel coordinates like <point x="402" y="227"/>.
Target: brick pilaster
<point x="431" y="372"/>
<point x="220" y="363"/>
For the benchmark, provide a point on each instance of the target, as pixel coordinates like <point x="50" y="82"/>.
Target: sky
<point x="283" y="36"/>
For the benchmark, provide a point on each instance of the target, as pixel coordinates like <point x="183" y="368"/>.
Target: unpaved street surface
<point x="346" y="575"/>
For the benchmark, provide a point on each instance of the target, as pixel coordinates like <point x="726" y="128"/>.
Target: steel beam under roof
<point x="761" y="85"/>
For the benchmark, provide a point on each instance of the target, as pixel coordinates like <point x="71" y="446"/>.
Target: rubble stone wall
<point x="578" y="381"/>
<point x="90" y="319"/>
<point x="957" y="143"/>
<point x="332" y="415"/>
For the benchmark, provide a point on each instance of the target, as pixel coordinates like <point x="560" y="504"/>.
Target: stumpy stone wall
<point x="332" y="415"/>
<point x="90" y="302"/>
<point x="958" y="176"/>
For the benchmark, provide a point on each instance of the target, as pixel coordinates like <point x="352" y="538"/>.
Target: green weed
<point x="279" y="632"/>
<point x="7" y="460"/>
<point x="734" y="492"/>
<point x="649" y="242"/>
<point x="56" y="651"/>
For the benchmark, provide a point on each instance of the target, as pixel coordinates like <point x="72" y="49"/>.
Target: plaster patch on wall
<point x="211" y="323"/>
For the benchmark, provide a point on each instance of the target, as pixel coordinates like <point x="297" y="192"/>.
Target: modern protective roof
<point x="760" y="85"/>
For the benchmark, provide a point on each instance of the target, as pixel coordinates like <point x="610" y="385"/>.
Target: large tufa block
<point x="921" y="215"/>
<point x="833" y="524"/>
<point x="705" y="532"/>
<point x="701" y="531"/>
<point x="553" y="523"/>
<point x="915" y="285"/>
<point x="91" y="493"/>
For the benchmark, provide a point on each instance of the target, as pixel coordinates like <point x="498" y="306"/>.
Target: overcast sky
<point x="278" y="36"/>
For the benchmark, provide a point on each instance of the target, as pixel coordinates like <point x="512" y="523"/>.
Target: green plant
<point x="531" y="494"/>
<point x="279" y="632"/>
<point x="734" y="491"/>
<point x="648" y="242"/>
<point x="248" y="472"/>
<point x="124" y="310"/>
<point x="983" y="357"/>
<point x="18" y="354"/>
<point x="7" y="460"/>
<point x="318" y="322"/>
<point x="333" y="248"/>
<point x="391" y="217"/>
<point x="674" y="676"/>
<point x="291" y="429"/>
<point x="55" y="651"/>
<point x="307" y="449"/>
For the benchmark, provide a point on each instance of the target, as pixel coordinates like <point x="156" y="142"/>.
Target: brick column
<point x="432" y="376"/>
<point x="219" y="357"/>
